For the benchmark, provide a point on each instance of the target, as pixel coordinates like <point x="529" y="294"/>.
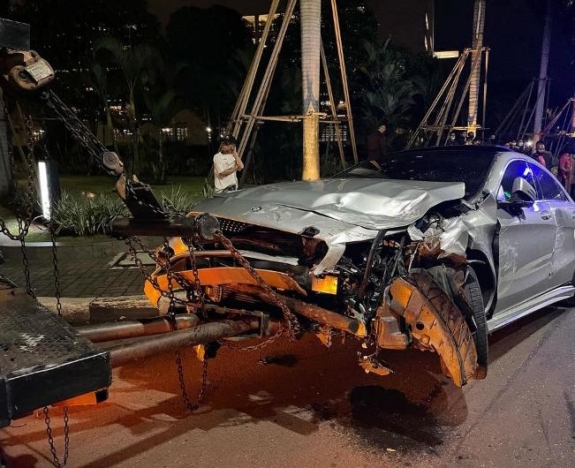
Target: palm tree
<point x="162" y="107"/>
<point x="99" y="80"/>
<point x="390" y="90"/>
<point x="132" y="61"/>
<point x="310" y="11"/>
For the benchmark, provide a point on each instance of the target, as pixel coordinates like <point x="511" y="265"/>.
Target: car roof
<point x="462" y="148"/>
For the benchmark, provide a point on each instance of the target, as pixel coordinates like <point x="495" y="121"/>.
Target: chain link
<point x="203" y="387"/>
<point x="56" y="270"/>
<point x="23" y="229"/>
<point x="55" y="460"/>
<point x="147" y="276"/>
<point x="75" y="126"/>
<point x="28" y="158"/>
<point x="292" y="321"/>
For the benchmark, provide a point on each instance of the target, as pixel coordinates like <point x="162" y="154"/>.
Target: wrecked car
<point x="428" y="248"/>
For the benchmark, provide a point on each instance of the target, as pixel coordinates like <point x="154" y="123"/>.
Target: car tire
<point x="472" y="293"/>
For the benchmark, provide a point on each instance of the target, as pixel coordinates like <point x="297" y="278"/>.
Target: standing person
<point x="544" y="157"/>
<point x="377" y="143"/>
<point x="226" y="164"/>
<point x="451" y="140"/>
<point x="564" y="170"/>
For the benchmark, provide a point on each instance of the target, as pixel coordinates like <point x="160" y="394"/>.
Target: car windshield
<point x="437" y="165"/>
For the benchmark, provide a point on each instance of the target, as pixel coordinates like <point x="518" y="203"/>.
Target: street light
<point x="49" y="186"/>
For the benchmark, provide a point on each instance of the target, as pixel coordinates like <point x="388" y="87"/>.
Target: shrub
<point x="81" y="216"/>
<point x="177" y="200"/>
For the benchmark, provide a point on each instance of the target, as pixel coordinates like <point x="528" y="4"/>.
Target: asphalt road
<point x="302" y="405"/>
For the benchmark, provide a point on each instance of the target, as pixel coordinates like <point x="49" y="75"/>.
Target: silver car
<point x="428" y="248"/>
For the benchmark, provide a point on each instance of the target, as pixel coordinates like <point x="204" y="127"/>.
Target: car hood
<point x="373" y="204"/>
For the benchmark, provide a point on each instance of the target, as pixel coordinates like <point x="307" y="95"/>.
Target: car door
<point x="525" y="242"/>
<point x="563" y="211"/>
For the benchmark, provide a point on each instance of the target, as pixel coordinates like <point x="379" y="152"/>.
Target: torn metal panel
<point x="436" y="324"/>
<point x="446" y="239"/>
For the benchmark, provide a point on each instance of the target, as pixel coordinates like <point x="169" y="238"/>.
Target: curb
<point x="43" y="250"/>
<point x="82" y="311"/>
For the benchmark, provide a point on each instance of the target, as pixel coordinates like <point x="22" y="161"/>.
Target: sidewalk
<point x="88" y="273"/>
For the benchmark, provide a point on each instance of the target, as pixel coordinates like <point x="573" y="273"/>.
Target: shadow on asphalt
<point x="301" y="387"/>
<point x="507" y="338"/>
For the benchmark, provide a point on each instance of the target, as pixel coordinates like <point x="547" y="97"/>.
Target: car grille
<point x="229" y="226"/>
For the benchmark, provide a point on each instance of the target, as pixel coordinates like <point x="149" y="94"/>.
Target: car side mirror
<point x="523" y="191"/>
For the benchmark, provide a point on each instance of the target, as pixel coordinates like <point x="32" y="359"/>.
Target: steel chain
<point x="76" y="127"/>
<point x="169" y="277"/>
<point x="56" y="270"/>
<point x="153" y="281"/>
<point x="197" y="282"/>
<point x="55" y="460"/>
<point x="292" y="321"/>
<point x="28" y="157"/>
<point x="179" y="364"/>
<point x="203" y="387"/>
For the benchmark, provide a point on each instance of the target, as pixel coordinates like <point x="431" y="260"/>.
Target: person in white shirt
<point x="226" y="164"/>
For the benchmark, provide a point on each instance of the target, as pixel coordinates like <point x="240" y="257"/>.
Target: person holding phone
<point x="226" y="164"/>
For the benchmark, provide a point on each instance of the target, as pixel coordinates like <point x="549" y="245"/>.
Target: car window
<point x="549" y="187"/>
<point x="513" y="170"/>
<point x="433" y="165"/>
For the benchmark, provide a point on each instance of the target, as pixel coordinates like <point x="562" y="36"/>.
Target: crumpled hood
<point x="369" y="203"/>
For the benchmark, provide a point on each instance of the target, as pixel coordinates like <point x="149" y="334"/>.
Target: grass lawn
<point x="75" y="185"/>
<point x="103" y="184"/>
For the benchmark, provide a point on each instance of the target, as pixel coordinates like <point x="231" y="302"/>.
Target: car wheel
<point x="477" y="320"/>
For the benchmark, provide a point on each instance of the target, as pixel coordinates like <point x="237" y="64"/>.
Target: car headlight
<point x="326" y="284"/>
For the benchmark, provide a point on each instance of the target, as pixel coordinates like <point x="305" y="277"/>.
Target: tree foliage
<point x="64" y="33"/>
<point x="210" y="41"/>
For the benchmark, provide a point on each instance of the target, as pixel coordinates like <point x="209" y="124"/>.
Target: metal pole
<point x="136" y="328"/>
<point x="344" y="79"/>
<point x="478" y="28"/>
<point x="150" y="346"/>
<point x="338" y="132"/>
<point x="456" y="70"/>
<point x="242" y="102"/>
<point x="545" y="48"/>
<point x="257" y="107"/>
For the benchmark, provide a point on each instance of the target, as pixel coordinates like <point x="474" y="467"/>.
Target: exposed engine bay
<point x="403" y="288"/>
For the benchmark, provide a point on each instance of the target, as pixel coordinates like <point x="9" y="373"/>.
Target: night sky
<point x="513" y="31"/>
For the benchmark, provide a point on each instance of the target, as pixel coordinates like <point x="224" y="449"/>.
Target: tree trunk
<point x="541" y="85"/>
<point x="310" y="11"/>
<point x="478" y="27"/>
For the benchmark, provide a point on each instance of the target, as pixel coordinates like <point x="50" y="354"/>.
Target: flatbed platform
<point x="42" y="359"/>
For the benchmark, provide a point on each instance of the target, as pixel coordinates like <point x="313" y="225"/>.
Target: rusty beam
<point x="326" y="317"/>
<point x="145" y="347"/>
<point x="136" y="328"/>
<point x="310" y="311"/>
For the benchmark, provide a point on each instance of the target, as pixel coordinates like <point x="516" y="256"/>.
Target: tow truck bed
<point x="42" y="359"/>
